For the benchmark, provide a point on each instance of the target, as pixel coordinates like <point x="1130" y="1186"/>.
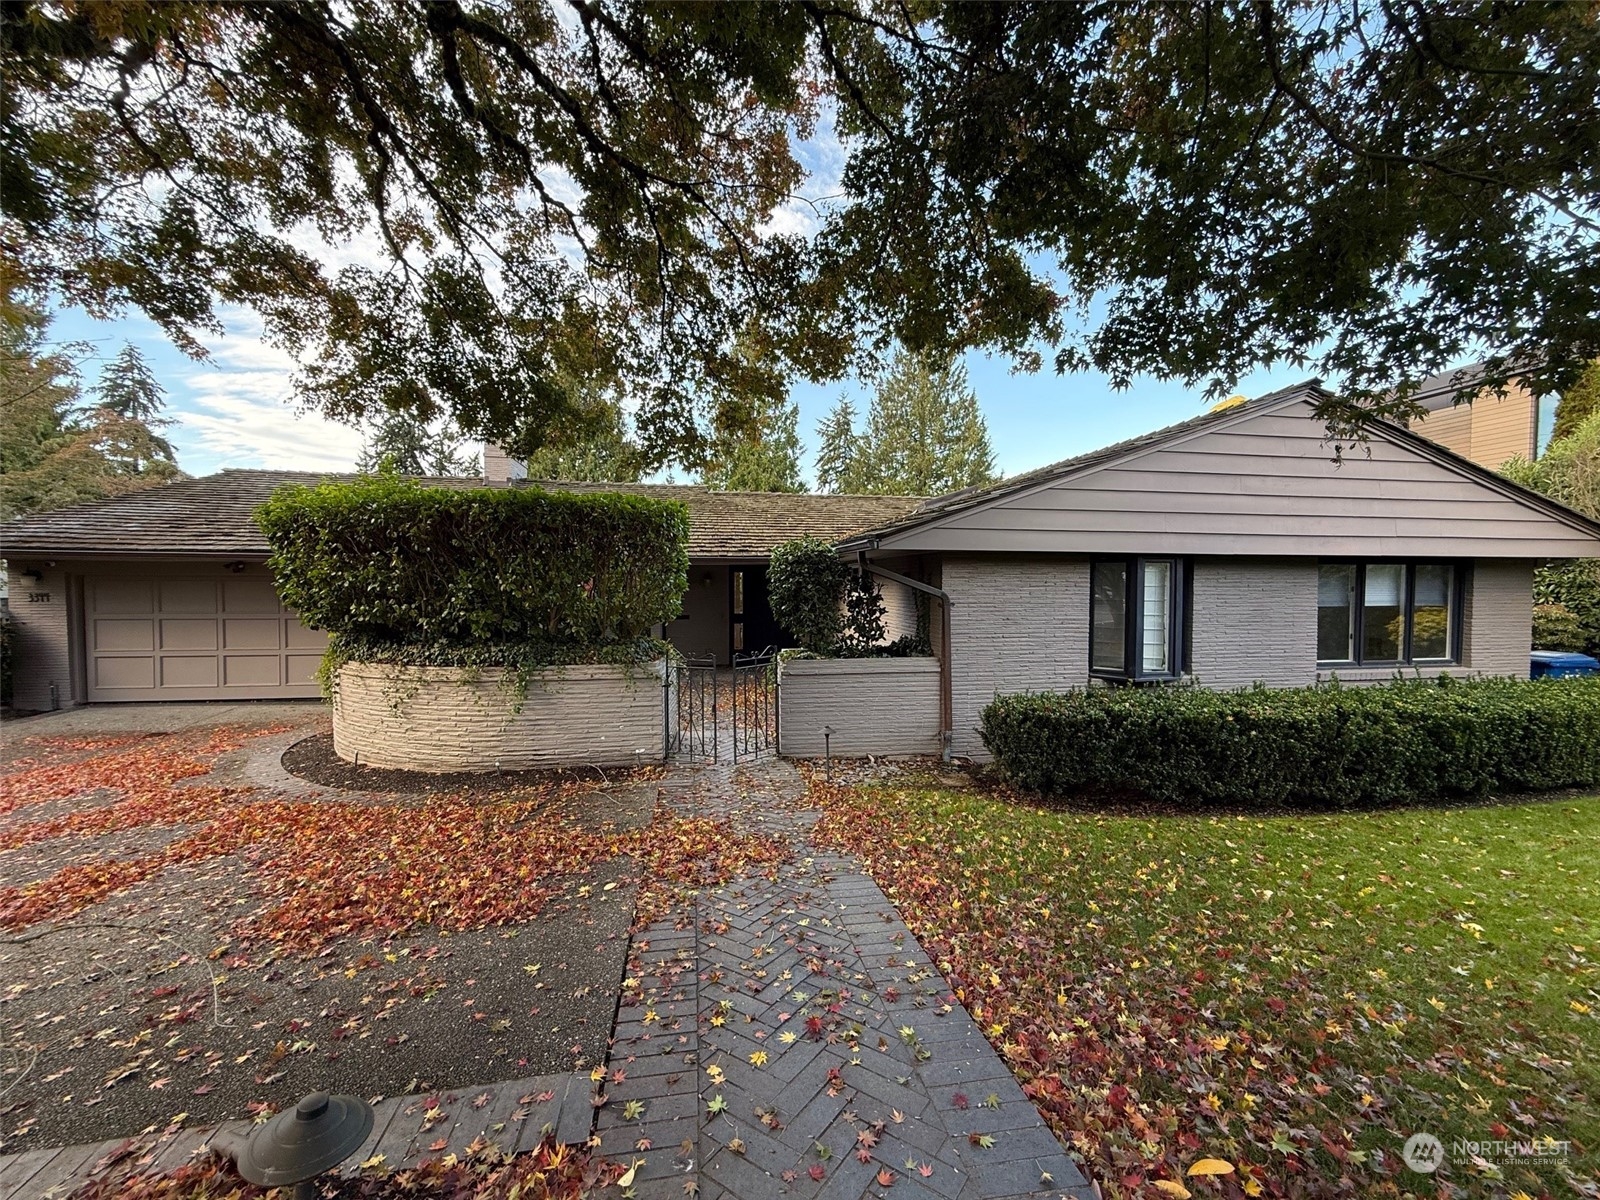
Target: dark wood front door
<point x="753" y="627"/>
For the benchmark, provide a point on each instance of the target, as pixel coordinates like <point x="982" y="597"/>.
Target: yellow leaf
<point x="1251" y="1187"/>
<point x="1212" y="1166"/>
<point x="1173" y="1188"/>
<point x="625" y="1180"/>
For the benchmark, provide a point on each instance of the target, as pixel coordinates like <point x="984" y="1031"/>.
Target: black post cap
<point x="316" y="1135"/>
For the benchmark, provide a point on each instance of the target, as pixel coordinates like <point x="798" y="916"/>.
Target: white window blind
<point x="1156" y="636"/>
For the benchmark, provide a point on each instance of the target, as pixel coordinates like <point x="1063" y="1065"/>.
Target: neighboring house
<point x="164" y="594"/>
<point x="1491" y="428"/>
<point x="1229" y="550"/>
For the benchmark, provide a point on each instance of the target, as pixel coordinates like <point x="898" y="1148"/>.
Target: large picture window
<point x="1387" y="613"/>
<point x="1136" y="618"/>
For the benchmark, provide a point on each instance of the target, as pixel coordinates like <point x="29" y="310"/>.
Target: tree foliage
<point x="763" y="459"/>
<point x="399" y="442"/>
<point x="925" y="435"/>
<point x="1568" y="592"/>
<point x="1577" y="402"/>
<point x="567" y="188"/>
<point x="55" y="450"/>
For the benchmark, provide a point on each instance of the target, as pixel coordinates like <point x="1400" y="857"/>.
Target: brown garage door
<point x="177" y="638"/>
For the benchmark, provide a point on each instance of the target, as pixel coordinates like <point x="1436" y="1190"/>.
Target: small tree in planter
<point x="831" y="608"/>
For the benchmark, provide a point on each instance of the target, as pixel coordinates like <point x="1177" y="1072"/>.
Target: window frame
<point x="1179" y="619"/>
<point x="1455" y="601"/>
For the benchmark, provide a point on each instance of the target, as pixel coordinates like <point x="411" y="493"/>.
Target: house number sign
<point x="38" y="597"/>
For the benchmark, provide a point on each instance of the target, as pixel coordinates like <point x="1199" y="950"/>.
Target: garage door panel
<point x="124" y="673"/>
<point x="185" y="671"/>
<point x="249" y="596"/>
<point x="252" y="633"/>
<point x="188" y="595"/>
<point x="123" y="596"/>
<point x="189" y="633"/>
<point x="121" y="635"/>
<point x="188" y="637"/>
<point x="299" y="637"/>
<point x="252" y="670"/>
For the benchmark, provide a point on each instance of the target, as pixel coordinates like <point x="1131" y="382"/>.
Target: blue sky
<point x="234" y="409"/>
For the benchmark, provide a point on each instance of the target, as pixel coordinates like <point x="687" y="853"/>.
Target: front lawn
<point x="1294" y="995"/>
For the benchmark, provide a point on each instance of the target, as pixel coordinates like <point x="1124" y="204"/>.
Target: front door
<point x="753" y="627"/>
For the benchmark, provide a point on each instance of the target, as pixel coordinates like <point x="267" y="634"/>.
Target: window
<point x="1387" y="613"/>
<point x="1136" y="618"/>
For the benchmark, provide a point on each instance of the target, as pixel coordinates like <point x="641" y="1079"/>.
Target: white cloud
<point x="237" y="413"/>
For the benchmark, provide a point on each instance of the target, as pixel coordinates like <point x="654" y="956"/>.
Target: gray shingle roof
<point x="212" y="515"/>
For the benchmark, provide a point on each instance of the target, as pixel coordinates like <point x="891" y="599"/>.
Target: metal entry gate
<point x="711" y="714"/>
<point x="754" y="703"/>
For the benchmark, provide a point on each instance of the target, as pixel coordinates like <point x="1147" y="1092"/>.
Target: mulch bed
<point x="313" y="760"/>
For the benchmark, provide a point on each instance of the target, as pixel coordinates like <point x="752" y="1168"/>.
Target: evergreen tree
<point x="770" y="462"/>
<point x="925" y="433"/>
<point x="400" y="442"/>
<point x="839" y="450"/>
<point x="54" y="450"/>
<point x="599" y="450"/>
<point x="127" y="392"/>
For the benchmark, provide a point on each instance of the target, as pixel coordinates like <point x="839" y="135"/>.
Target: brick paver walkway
<point x="789" y="1037"/>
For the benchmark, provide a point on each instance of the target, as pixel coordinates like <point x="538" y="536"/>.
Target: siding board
<point x="1266" y="486"/>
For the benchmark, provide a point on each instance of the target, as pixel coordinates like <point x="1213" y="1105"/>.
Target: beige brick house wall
<point x="1022" y="624"/>
<point x="442" y="719"/>
<point x="882" y="706"/>
<point x="43" y="614"/>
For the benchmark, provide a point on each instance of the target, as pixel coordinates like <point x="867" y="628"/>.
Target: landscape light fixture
<point x="296" y="1146"/>
<point x="827" y="752"/>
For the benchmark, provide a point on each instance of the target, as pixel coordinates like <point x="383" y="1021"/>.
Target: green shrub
<point x="1319" y="746"/>
<point x="389" y="562"/>
<point x="1557" y="627"/>
<point x="805" y="586"/>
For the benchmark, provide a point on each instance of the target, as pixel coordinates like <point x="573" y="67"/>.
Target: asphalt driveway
<point x="149" y="967"/>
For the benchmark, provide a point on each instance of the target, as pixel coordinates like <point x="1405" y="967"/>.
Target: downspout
<point x="946" y="704"/>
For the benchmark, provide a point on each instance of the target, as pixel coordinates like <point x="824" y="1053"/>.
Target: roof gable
<point x="1258" y="479"/>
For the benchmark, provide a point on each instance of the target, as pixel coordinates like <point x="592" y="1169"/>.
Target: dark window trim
<point x="1456" y="601"/>
<point x="1179" y="619"/>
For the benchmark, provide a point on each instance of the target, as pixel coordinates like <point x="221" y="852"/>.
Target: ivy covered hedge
<point x="398" y="571"/>
<point x="1320" y="746"/>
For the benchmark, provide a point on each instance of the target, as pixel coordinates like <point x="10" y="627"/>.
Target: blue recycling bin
<point x="1561" y="664"/>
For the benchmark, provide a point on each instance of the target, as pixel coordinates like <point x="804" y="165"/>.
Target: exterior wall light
<point x="296" y="1146"/>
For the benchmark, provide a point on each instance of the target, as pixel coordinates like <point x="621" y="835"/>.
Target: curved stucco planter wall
<point x="447" y="719"/>
<point x="884" y="706"/>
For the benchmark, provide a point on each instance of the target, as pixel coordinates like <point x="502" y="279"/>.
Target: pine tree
<point x="127" y="404"/>
<point x="400" y="442"/>
<point x="925" y="434"/>
<point x="55" y="450"/>
<point x="839" y="450"/>
<point x="769" y="463"/>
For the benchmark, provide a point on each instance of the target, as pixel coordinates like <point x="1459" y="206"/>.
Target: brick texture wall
<point x="42" y="633"/>
<point x="430" y="719"/>
<point x="1497" y="632"/>
<point x="884" y="706"/>
<point x="1020" y="624"/>
<point x="1255" y="621"/>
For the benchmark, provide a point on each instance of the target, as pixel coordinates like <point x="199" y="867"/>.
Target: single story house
<point x="1231" y="549"/>
<point x="164" y="594"/>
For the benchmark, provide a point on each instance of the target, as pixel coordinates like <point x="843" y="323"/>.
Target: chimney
<point x="498" y="467"/>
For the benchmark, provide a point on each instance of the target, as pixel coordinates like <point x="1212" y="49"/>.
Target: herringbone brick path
<point x="787" y="1036"/>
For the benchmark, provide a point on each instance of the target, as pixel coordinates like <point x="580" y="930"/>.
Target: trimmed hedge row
<point x="387" y="560"/>
<point x="1319" y="746"/>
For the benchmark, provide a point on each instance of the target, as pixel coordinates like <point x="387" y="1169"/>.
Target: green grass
<point x="1296" y="994"/>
